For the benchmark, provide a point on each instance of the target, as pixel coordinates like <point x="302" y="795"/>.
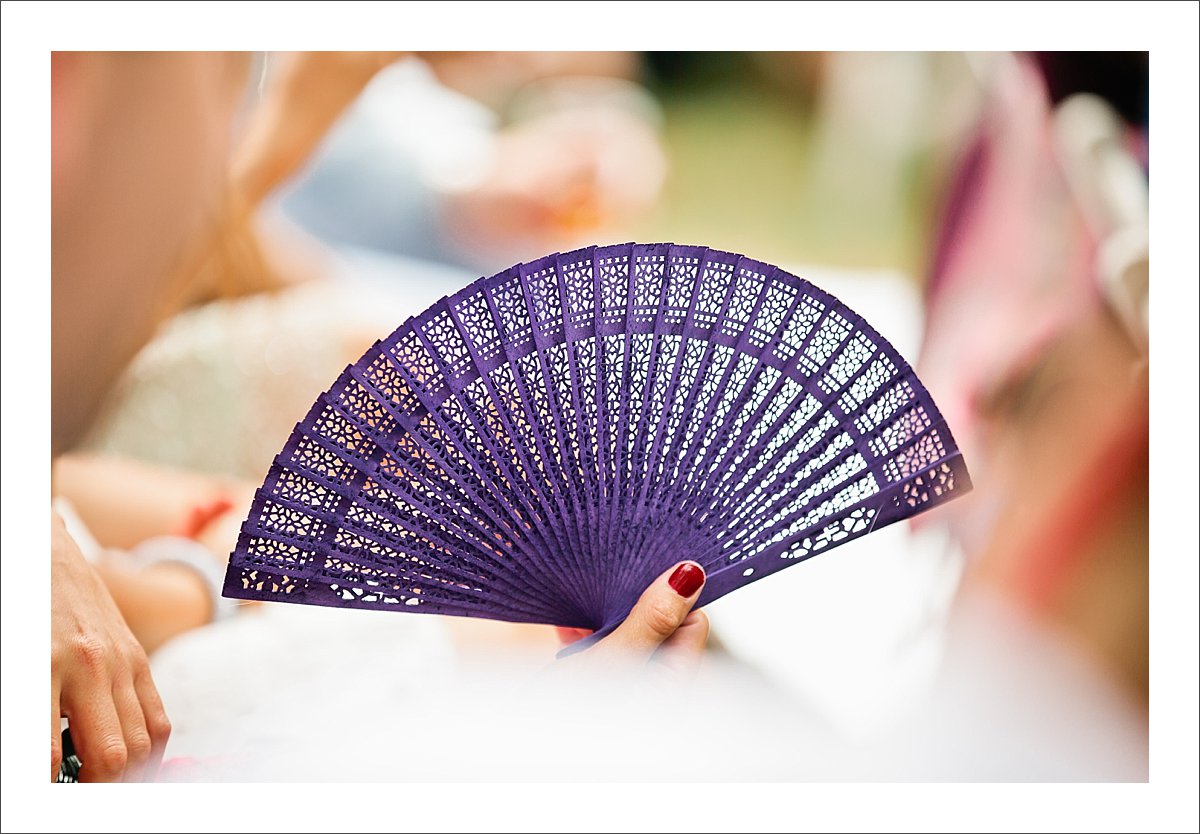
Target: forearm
<point x="124" y="502"/>
<point x="158" y="603"/>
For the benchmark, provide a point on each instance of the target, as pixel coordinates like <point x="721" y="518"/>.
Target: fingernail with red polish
<point x="687" y="579"/>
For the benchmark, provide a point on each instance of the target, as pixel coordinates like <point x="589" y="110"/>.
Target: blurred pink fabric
<point x="1013" y="260"/>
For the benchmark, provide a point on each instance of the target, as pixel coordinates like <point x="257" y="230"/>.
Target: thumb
<point x="661" y="609"/>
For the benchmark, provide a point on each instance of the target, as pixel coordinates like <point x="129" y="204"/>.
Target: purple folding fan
<point x="543" y="444"/>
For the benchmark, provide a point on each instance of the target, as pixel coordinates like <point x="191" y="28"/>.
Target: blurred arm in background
<point x="159" y="538"/>
<point x="570" y="149"/>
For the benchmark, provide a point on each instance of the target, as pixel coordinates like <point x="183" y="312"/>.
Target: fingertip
<point x="687" y="579"/>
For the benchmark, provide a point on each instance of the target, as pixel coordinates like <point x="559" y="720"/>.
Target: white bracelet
<point x="194" y="555"/>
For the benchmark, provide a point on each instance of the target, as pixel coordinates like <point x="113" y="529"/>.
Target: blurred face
<point x="139" y="144"/>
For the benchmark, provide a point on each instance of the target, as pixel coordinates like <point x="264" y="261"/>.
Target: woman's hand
<point x="99" y="676"/>
<point x="661" y="629"/>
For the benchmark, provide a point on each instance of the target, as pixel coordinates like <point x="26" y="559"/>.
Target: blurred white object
<point x="1014" y="701"/>
<point x="244" y="690"/>
<point x="1114" y="195"/>
<point x="289" y="693"/>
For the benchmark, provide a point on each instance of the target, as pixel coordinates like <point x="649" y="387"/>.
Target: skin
<point x="139" y="144"/>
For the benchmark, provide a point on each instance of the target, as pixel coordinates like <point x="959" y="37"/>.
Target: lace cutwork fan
<point x="543" y="444"/>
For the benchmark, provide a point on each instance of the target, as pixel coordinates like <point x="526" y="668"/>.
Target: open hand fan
<point x="543" y="444"/>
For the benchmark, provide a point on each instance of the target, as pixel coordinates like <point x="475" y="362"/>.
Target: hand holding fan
<point x="543" y="444"/>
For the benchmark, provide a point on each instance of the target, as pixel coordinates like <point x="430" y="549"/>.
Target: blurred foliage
<point x="748" y="175"/>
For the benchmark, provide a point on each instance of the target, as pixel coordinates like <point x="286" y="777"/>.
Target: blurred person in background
<point x="465" y="159"/>
<point x="366" y="172"/>
<point x="1016" y="209"/>
<point x="350" y="175"/>
<point x="471" y="159"/>
<point x="372" y="155"/>
<point x="1022" y="181"/>
<point x="123" y="210"/>
<point x="1036" y="349"/>
<point x="140" y="144"/>
<point x="1037" y="343"/>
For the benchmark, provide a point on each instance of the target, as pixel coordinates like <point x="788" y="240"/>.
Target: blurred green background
<point x="767" y="157"/>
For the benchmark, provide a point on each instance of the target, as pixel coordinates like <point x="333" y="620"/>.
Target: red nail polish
<point x="687" y="579"/>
